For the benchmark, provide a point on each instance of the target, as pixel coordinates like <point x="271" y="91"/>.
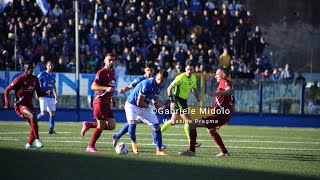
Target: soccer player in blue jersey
<point x="148" y="73"/>
<point x="48" y="103"/>
<point x="137" y="106"/>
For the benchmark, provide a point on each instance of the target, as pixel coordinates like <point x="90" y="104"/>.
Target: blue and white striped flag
<point x="4" y="4"/>
<point x="44" y="6"/>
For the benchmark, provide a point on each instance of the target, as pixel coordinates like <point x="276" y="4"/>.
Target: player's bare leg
<point x="110" y="124"/>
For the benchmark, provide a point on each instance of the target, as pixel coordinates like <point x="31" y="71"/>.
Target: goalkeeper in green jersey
<point x="182" y="85"/>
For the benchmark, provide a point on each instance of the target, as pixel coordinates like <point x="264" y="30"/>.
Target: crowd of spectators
<point x="206" y="33"/>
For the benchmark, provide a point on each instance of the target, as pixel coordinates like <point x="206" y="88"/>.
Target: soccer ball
<point x="121" y="148"/>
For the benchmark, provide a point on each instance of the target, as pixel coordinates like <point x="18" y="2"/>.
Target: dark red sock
<point x="193" y="140"/>
<point x="93" y="124"/>
<point x="216" y="137"/>
<point x="95" y="136"/>
<point x="31" y="137"/>
<point x="35" y="128"/>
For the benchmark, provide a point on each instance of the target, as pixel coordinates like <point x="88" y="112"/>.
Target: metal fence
<point x="251" y="96"/>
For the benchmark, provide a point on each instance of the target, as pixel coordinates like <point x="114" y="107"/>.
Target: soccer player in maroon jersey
<point x="223" y="106"/>
<point x="24" y="87"/>
<point x="104" y="83"/>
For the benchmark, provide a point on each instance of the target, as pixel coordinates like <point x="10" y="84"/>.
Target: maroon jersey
<point x="224" y="101"/>
<point x="105" y="77"/>
<point x="24" y="87"/>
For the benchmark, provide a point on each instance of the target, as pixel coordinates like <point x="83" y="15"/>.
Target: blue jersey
<point x="138" y="80"/>
<point x="147" y="88"/>
<point x="47" y="81"/>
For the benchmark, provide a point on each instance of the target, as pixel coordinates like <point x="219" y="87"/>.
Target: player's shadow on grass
<point x="37" y="164"/>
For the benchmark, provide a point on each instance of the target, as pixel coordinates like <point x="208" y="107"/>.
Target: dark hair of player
<point x="28" y="63"/>
<point x="164" y="73"/>
<point x="150" y="64"/>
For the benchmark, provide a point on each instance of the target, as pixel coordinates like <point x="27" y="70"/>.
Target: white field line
<point x="180" y="134"/>
<point x="184" y="140"/>
<point x="9" y="139"/>
<point x="177" y="126"/>
<point x="175" y="145"/>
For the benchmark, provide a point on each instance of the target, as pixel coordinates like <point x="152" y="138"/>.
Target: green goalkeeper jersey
<point x="183" y="85"/>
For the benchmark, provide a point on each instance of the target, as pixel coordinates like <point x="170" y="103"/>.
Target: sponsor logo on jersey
<point x="112" y="83"/>
<point x="30" y="88"/>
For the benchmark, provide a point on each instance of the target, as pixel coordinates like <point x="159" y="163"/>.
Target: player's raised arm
<point x="228" y="91"/>
<point x="125" y="89"/>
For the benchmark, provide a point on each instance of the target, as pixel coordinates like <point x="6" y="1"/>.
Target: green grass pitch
<point x="256" y="153"/>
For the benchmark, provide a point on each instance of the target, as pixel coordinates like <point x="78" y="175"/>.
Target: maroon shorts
<point x="20" y="108"/>
<point x="102" y="111"/>
<point x="216" y="121"/>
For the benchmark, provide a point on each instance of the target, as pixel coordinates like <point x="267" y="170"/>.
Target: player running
<point x="104" y="83"/>
<point x="24" y="87"/>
